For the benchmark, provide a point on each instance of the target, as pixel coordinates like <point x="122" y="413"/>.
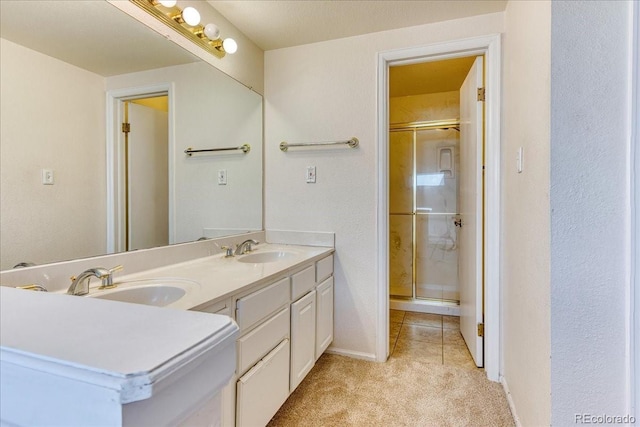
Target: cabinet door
<point x="263" y="389"/>
<point x="303" y="337"/>
<point x="324" y="316"/>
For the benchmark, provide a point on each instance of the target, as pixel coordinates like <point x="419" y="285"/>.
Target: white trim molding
<point x="490" y="47"/>
<point x="634" y="178"/>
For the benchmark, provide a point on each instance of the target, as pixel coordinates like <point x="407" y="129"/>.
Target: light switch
<point x="222" y="177"/>
<point x="520" y="159"/>
<point x="311" y="174"/>
<point x="47" y="176"/>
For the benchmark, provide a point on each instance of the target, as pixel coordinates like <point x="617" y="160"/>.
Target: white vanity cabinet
<point x="285" y="326"/>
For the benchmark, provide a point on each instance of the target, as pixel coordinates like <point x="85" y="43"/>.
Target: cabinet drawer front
<point x="257" y="343"/>
<point x="324" y="268"/>
<point x="262" y="390"/>
<point x="260" y="304"/>
<point x="302" y="282"/>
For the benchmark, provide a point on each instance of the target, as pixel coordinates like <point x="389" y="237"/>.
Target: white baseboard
<point x="512" y="406"/>
<point x="431" y="307"/>
<point x="353" y="354"/>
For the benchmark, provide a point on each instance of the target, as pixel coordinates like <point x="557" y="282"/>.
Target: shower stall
<point x="423" y="211"/>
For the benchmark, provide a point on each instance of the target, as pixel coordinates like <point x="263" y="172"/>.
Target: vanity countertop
<point x="111" y="345"/>
<point x="217" y="276"/>
<point x="120" y="353"/>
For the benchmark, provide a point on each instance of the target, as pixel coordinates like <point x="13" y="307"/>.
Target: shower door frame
<point x="414" y="128"/>
<point x="490" y="47"/>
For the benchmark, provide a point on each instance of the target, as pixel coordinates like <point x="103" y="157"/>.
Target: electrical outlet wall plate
<point x="222" y="177"/>
<point x="47" y="176"/>
<point x="311" y="175"/>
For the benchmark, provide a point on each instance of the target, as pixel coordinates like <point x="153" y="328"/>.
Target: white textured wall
<point x="328" y="91"/>
<point x="52" y="116"/>
<point x="525" y="196"/>
<point x="211" y="111"/>
<point x="590" y="87"/>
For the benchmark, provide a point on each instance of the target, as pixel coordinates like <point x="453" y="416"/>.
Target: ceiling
<point x="108" y="42"/>
<point x="89" y="34"/>
<point x="279" y="24"/>
<point x="429" y="77"/>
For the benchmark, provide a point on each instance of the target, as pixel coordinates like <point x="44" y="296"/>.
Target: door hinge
<point x="481" y="94"/>
<point x="481" y="329"/>
<point x="126" y="127"/>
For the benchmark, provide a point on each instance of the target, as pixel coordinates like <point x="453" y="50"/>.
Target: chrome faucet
<point x="80" y="284"/>
<point x="245" y="247"/>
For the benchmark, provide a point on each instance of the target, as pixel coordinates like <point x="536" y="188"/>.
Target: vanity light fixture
<point x="187" y="23"/>
<point x="190" y="16"/>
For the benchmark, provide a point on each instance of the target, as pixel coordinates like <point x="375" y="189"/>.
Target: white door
<point x="148" y="178"/>
<point x="470" y="233"/>
<point x="303" y="338"/>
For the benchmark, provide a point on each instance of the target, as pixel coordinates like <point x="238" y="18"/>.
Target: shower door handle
<point x="458" y="222"/>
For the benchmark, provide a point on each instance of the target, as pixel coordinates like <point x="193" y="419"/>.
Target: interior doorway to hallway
<point x="140" y="199"/>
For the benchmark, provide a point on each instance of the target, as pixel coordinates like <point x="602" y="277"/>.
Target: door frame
<point x="634" y="288"/>
<point x="490" y="47"/>
<point x="115" y="166"/>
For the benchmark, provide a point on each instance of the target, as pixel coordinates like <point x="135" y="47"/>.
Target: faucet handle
<point x="107" y="279"/>
<point x="116" y="269"/>
<point x="229" y="251"/>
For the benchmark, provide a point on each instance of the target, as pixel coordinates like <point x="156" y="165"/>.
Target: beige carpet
<point x="407" y="390"/>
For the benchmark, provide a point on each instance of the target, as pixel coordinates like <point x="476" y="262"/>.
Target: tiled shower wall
<point x="435" y="200"/>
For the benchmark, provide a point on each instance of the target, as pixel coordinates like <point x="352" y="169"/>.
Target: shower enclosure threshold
<point x="425" y="306"/>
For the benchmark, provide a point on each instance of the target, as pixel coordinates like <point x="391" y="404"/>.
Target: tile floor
<point x="432" y="338"/>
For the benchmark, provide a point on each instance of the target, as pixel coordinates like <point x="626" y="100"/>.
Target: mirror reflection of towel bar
<point x="245" y="149"/>
<point x="353" y="143"/>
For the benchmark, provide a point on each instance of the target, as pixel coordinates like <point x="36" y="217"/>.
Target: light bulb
<point x="191" y="16"/>
<point x="168" y="3"/>
<point x="212" y="31"/>
<point x="230" y="46"/>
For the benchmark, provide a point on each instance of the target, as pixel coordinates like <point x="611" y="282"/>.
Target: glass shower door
<point x="436" y="208"/>
<point x="401" y="208"/>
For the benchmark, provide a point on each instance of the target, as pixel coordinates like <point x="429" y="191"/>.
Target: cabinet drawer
<point x="302" y="282"/>
<point x="260" y="304"/>
<point x="324" y="268"/>
<point x="257" y="343"/>
<point x="262" y="390"/>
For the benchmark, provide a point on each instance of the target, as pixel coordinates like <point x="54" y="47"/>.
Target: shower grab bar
<point x="245" y="149"/>
<point x="353" y="143"/>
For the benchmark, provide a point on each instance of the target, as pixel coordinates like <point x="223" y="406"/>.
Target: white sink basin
<point x="264" y="257"/>
<point x="149" y="292"/>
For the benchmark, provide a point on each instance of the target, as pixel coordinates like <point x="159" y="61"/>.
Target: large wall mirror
<point x="72" y="183"/>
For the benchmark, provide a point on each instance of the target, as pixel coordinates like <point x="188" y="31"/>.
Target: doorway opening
<point x="140" y="196"/>
<point x="435" y="166"/>
<point x="145" y="147"/>
<point x="487" y="214"/>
